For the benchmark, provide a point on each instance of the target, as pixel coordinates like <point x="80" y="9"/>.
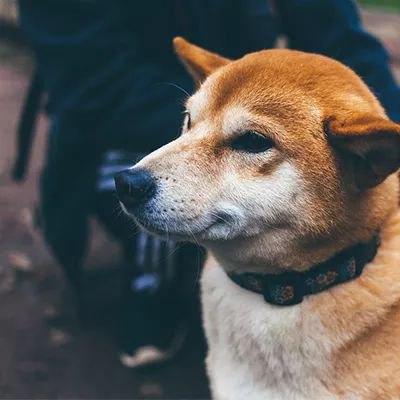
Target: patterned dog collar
<point x="290" y="287"/>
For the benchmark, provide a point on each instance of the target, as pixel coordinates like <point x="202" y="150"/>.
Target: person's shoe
<point x="151" y="355"/>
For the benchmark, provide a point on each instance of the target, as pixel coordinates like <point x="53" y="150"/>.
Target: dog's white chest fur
<point x="260" y="351"/>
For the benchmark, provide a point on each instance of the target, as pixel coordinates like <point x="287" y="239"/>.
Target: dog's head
<point x="284" y="158"/>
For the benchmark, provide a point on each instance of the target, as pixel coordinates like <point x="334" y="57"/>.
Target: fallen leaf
<point x="26" y="217"/>
<point x="7" y="280"/>
<point x="20" y="262"/>
<point x="59" y="337"/>
<point x="50" y="312"/>
<point x="152" y="389"/>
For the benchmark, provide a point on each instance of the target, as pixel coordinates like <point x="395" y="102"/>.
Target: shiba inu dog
<point x="286" y="172"/>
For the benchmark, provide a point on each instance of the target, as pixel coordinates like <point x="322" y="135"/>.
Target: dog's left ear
<point x="370" y="145"/>
<point x="199" y="62"/>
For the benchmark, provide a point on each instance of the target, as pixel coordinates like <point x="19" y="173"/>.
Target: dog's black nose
<point x="134" y="187"/>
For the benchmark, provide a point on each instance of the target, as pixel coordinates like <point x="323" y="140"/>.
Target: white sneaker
<point x="150" y="355"/>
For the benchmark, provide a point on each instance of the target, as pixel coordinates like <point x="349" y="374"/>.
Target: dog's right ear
<point x="369" y="144"/>
<point x="199" y="62"/>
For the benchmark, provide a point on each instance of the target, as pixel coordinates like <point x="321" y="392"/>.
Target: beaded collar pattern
<point x="290" y="287"/>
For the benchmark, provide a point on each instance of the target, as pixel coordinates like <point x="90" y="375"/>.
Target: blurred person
<point x="115" y="92"/>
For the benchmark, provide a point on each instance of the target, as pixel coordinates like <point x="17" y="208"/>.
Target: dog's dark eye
<point x="187" y="122"/>
<point x="251" y="142"/>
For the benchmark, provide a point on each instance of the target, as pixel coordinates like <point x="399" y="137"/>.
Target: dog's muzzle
<point x="135" y="187"/>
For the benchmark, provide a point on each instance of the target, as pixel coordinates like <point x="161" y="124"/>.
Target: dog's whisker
<point x="176" y="248"/>
<point x="175" y="85"/>
<point x="198" y="261"/>
<point x="117" y="212"/>
<point x="166" y="231"/>
<point x="216" y="215"/>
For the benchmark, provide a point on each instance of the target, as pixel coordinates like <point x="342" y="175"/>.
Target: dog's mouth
<point x="206" y="228"/>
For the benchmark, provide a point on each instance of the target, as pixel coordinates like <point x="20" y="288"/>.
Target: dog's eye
<point x="187" y="123"/>
<point x="251" y="142"/>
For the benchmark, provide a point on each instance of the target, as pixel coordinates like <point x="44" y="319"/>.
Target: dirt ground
<point x="45" y="351"/>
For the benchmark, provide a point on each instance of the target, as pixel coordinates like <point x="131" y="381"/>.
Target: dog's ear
<point x="199" y="62"/>
<point x="370" y="146"/>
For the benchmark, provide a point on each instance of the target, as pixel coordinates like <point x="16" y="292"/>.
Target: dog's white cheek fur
<point x="259" y="351"/>
<point x="272" y="207"/>
<point x="268" y="200"/>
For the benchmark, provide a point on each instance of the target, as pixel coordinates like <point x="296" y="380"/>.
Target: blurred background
<point x="46" y="350"/>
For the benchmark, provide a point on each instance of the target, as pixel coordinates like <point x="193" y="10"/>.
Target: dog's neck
<point x="276" y="251"/>
<point x="291" y="287"/>
<point x="274" y="254"/>
<point x="265" y="254"/>
<point x="232" y="262"/>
